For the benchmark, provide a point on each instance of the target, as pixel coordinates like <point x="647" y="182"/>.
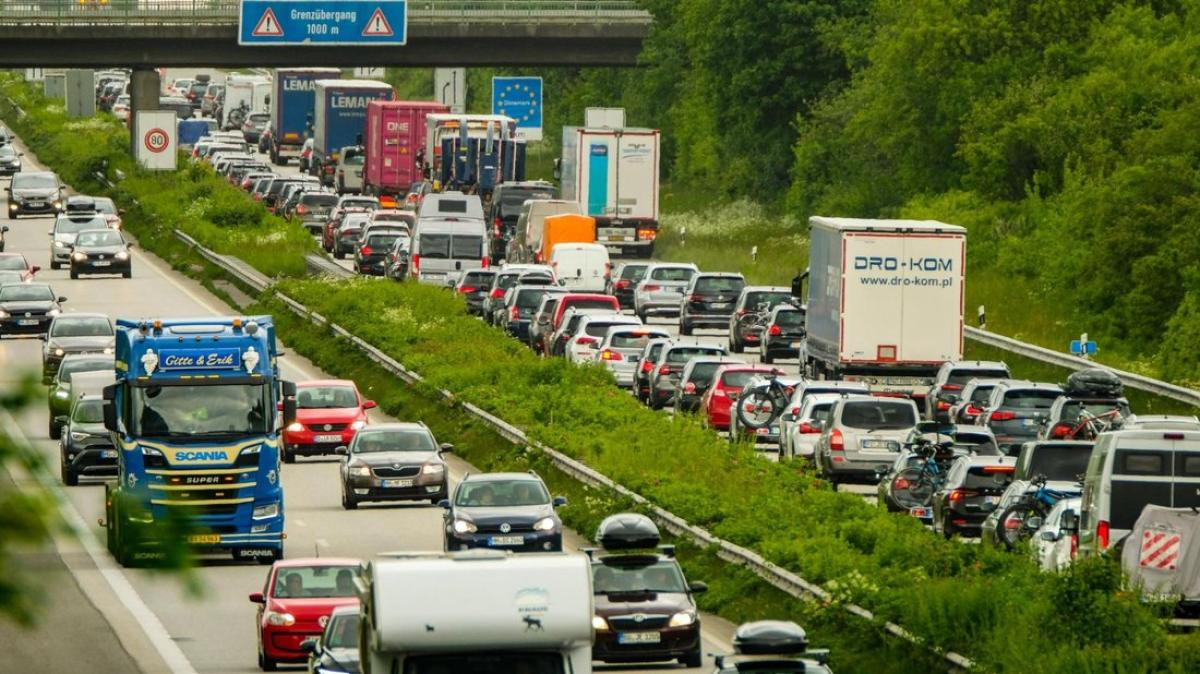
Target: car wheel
<point x="693" y="659"/>
<point x="685" y="328"/>
<point x="55" y="431"/>
<point x="642" y="315"/>
<point x="11" y="215"/>
<point x="288" y="456"/>
<point x="69" y="477"/>
<point x="127" y="274"/>
<point x="74" y="274"/>
<point x="54" y="265"/>
<point x="767" y="358"/>
<point x="947" y="529"/>
<point x="266" y="664"/>
<point x="348" y="501"/>
<point x="338" y="255"/>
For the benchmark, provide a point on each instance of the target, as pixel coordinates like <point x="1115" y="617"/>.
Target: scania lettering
<point x="193" y="415"/>
<point x="885" y="301"/>
<point x="293" y="109"/>
<point x="340" y="120"/>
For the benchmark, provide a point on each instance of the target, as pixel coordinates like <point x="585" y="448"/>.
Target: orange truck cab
<point x="565" y="228"/>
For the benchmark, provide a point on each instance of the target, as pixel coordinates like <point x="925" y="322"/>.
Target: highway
<point x="214" y="631"/>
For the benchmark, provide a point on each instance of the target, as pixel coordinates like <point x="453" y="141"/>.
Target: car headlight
<point x="3" y="313"/>
<point x="599" y="624"/>
<point x="357" y="425"/>
<point x="280" y="619"/>
<point x="60" y="244"/>
<point x="360" y="470"/>
<point x="295" y="427"/>
<point x="433" y="469"/>
<point x="79" y="257"/>
<point x="682" y="619"/>
<point x="464" y="527"/>
<point x="78" y="437"/>
<point x="121" y="255"/>
<point x="544" y="524"/>
<point x="58" y="351"/>
<point x="54" y="312"/>
<point x="263" y="512"/>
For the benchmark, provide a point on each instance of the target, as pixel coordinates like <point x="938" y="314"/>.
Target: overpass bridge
<point x="156" y="33"/>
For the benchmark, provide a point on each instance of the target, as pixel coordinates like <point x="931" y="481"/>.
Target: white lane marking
<point x="120" y="585"/>
<point x="299" y="523"/>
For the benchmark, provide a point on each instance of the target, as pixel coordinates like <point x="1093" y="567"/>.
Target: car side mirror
<point x="130" y="244"/>
<point x="369" y="405"/>
<point x="1051" y="536"/>
<point x="1070" y="520"/>
<point x="1033" y="523"/>
<point x="444" y="504"/>
<point x="559" y="501"/>
<point x="257" y="598"/>
<point x="120" y="211"/>
<point x="698" y="587"/>
<point x="61" y="299"/>
<point x="4" y="229"/>
<point x="309" y="645"/>
<point x="35" y="269"/>
<point x="342" y="450"/>
<point x="446" y="447"/>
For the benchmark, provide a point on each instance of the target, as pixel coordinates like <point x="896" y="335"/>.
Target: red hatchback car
<point x="17" y="262"/>
<point x="717" y="401"/>
<point x="328" y="414"/>
<point x="295" y="605"/>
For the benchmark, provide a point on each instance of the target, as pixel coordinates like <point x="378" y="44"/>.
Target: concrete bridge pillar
<point x="144" y="87"/>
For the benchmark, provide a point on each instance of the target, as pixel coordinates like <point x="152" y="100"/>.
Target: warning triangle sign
<point x="268" y="25"/>
<point x="377" y="25"/>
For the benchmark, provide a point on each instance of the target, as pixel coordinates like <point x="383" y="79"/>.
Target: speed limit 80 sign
<point x="155" y="139"/>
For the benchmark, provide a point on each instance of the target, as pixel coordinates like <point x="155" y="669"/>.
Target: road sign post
<point x="521" y="99"/>
<point x="1082" y="347"/>
<point x="157" y="133"/>
<point x="264" y="23"/>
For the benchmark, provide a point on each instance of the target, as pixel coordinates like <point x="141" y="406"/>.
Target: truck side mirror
<point x="288" y="389"/>
<point x="110" y="410"/>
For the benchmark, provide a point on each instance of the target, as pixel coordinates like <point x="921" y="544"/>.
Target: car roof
<point x="1031" y="386"/>
<point x="499" y="477"/>
<point x="83" y="314"/>
<point x="991" y="460"/>
<point x="312" y="383"/>
<point x="316" y="561"/>
<point x="722" y="274"/>
<point x="751" y="289"/>
<point x="682" y="265"/>
<point x="397" y="426"/>
<point x="976" y="364"/>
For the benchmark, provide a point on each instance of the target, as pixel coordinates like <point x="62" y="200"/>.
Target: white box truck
<point x="613" y="175"/>
<point x="885" y="301"/>
<point x="241" y="99"/>
<point x="477" y="610"/>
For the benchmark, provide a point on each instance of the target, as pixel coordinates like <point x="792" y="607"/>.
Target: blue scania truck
<point x="196" y="412"/>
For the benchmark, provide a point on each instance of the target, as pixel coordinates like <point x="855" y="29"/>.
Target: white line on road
<point x="299" y="523"/>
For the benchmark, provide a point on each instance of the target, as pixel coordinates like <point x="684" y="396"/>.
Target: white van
<point x="582" y="267"/>
<point x="1129" y="470"/>
<point x="451" y="205"/>
<point x="445" y="249"/>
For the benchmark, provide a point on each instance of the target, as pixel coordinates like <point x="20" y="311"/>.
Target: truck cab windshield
<point x="220" y="409"/>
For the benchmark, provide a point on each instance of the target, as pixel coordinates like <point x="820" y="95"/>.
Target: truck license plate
<point x="638" y="637"/>
<point x="204" y="539"/>
<point x="507" y="540"/>
<point x="397" y="484"/>
<point x="328" y="438"/>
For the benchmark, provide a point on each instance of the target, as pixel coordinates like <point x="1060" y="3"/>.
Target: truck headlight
<point x="3" y="313"/>
<point x="544" y="524"/>
<point x="280" y="619"/>
<point x="599" y="624"/>
<point x="682" y="619"/>
<point x="263" y="512"/>
<point x="360" y="470"/>
<point x="464" y="527"/>
<point x="432" y="469"/>
<point x="150" y="451"/>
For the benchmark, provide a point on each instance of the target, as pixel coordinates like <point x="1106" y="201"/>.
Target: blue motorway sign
<point x="1079" y="348"/>
<point x="323" y="23"/>
<point x="521" y="99"/>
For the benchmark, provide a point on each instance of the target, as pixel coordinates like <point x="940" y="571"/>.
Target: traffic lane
<point x="216" y="629"/>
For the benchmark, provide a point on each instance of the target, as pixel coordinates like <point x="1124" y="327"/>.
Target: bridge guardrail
<point x="225" y="12"/>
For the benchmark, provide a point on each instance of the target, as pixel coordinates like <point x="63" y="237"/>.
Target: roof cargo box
<point x="1094" y="383"/>
<point x="770" y="637"/>
<point x="627" y="531"/>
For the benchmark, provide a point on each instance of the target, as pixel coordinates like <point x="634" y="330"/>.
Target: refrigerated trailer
<point x="613" y="174"/>
<point x="885" y="301"/>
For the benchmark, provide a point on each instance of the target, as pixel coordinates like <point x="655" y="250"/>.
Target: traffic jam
<point x="197" y="417"/>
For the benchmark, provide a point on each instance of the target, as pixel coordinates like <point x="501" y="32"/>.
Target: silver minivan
<point x="862" y="434"/>
<point x="442" y="250"/>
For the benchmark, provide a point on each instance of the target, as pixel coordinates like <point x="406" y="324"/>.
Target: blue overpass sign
<point x="521" y="99"/>
<point x="323" y="23"/>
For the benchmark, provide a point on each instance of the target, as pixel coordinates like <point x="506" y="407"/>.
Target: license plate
<point x="677" y="290"/>
<point x="618" y="238"/>
<point x="397" y="484"/>
<point x="27" y="321"/>
<point x="721" y="305"/>
<point x="204" y="539"/>
<point x="108" y="454"/>
<point x="507" y="540"/>
<point x="1028" y="423"/>
<point x="639" y="638"/>
<point x="876" y="444"/>
<point x="796" y="345"/>
<point x="919" y="512"/>
<point x="104" y="263"/>
<point x="991" y="500"/>
<point x="328" y="438"/>
<point x="35" y="204"/>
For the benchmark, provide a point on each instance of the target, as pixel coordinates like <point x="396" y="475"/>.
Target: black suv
<point x="34" y="193"/>
<point x="85" y="446"/>
<point x="504" y="511"/>
<point x="1016" y="412"/>
<point x="782" y="333"/>
<point x="708" y="301"/>
<point x="505" y="208"/>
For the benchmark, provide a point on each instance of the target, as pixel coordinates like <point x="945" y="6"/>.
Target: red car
<point x="717" y="401"/>
<point x="328" y="414"/>
<point x="295" y="605"/>
<point x="17" y="262"/>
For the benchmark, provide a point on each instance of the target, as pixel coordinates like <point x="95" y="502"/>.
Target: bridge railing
<point x="221" y="12"/>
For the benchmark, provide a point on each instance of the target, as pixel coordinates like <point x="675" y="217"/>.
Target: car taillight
<point x="719" y="392"/>
<point x="650" y="287"/>
<point x="973" y="411"/>
<point x="301" y="210"/>
<point x="496" y="227"/>
<point x="647" y="366"/>
<point x="836" y="442"/>
<point x="959" y="494"/>
<point x="900" y="483"/>
<point x="695" y="298"/>
<point x="1102" y="534"/>
<point x="689" y="387"/>
<point x="951" y="387"/>
<point x="807" y="428"/>
<point x="1003" y="415"/>
<point x="586" y="340"/>
<point x="416" y="261"/>
<point x="942" y="405"/>
<point x="466" y="290"/>
<point x="497" y="293"/>
<point x="622" y="284"/>
<point x="609" y="354"/>
<point x="1060" y="430"/>
<point x="485" y="262"/>
<point x="515" y="314"/>
<point x="1074" y="545"/>
<point x="365" y="250"/>
<point x="774" y="331"/>
<point x="665" y="369"/>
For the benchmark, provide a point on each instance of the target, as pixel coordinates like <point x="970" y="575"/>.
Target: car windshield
<point x="1030" y="400"/>
<point x="314" y="581"/>
<point x="477" y="278"/>
<point x="99" y="238"/>
<point x="319" y="199"/>
<point x="878" y="415"/>
<point x="634" y="272"/>
<point x="596" y="329"/>
<point x="466" y="246"/>
<point x="987" y="477"/>
<point x="393" y="440"/>
<point x="214" y="409"/>
<point x="719" y="284"/>
<point x="1058" y="462"/>
<point x="637" y="339"/>
<point x="382" y="241"/>
<point x="511" y="201"/>
<point x="355" y="160"/>
<point x="75" y="224"/>
<point x="89" y="412"/>
<point x="34" y="181"/>
<point x="672" y="274"/>
<point x="525" y="662"/>
<point x="980" y="443"/>
<point x="506" y="280"/>
<point x="326" y="397"/>
<point x="26" y="292"/>
<point x="687" y="353"/>
<point x="1071" y="409"/>
<point x="498" y="493"/>
<point x="820" y="411"/>
<point x="982" y="393"/>
<point x="790" y="319"/>
<point x="702" y="373"/>
<point x="530" y="298"/>
<point x="10" y="277"/>
<point x="73" y="326"/>
<point x="15" y="262"/>
<point x="341" y="632"/>
<point x="767" y="299"/>
<point x="260" y="117"/>
<point x="588" y="304"/>
<point x="660" y="576"/>
<point x="7" y="151"/>
<point x="360" y="203"/>
<point x="72" y="365"/>
<point x="961" y="377"/>
<point x="106" y="206"/>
